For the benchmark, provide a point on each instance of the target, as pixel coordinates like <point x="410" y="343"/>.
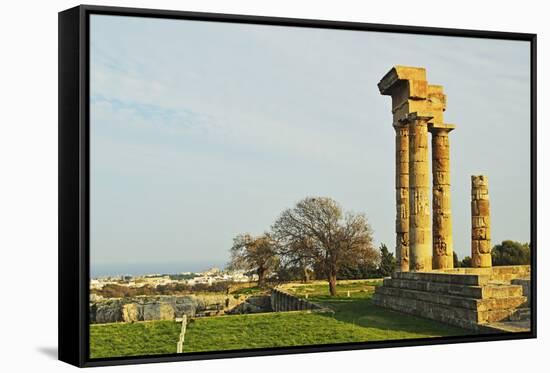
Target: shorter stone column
<point x="481" y="223"/>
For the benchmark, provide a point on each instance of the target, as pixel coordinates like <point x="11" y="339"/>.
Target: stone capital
<point x="416" y="116"/>
<point x="400" y="125"/>
<point x="441" y="129"/>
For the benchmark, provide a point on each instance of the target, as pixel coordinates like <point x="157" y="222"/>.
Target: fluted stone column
<point x="481" y="222"/>
<point x="402" y="196"/>
<point x="408" y="88"/>
<point x="442" y="236"/>
<point x="420" y="237"/>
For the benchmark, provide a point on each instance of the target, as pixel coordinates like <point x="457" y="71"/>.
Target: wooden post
<point x="179" y="346"/>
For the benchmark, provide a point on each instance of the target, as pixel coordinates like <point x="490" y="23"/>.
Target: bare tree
<point x="298" y="254"/>
<point x="254" y="254"/>
<point x="317" y="231"/>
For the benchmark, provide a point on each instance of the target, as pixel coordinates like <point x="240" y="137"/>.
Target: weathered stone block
<point x="401" y="179"/>
<point x="465" y="318"/>
<point x="480" y="222"/>
<point x="418" y="89"/>
<point x="420" y="221"/>
<point x="418" y="143"/>
<point x="440" y="277"/>
<point x="462" y="296"/>
<point x="109" y="311"/>
<point x="480" y="195"/>
<point x="440" y="151"/>
<point x="481" y="260"/>
<point x="416" y="106"/>
<point x="443" y="178"/>
<point x="437" y="287"/>
<point x="442" y="261"/>
<point x="130" y="312"/>
<point x="419" y="166"/>
<point x="166" y="312"/>
<point x="441" y="164"/>
<point x="402" y="193"/>
<point x="480" y="233"/>
<point x="401" y="225"/>
<point x="483" y="207"/>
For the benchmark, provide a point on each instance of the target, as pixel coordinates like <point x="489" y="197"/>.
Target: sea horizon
<point x="136" y="269"/>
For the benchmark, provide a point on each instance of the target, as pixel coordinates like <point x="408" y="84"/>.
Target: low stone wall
<point x="146" y="308"/>
<point x="282" y="301"/>
<point x="252" y="304"/>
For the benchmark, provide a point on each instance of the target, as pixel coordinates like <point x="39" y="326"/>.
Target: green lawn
<point x="377" y="323"/>
<point x="140" y="338"/>
<point x="355" y="319"/>
<point x="250" y="291"/>
<point x="356" y="288"/>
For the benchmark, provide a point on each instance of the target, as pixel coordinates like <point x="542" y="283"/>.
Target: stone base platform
<point x="480" y="299"/>
<point x="496" y="274"/>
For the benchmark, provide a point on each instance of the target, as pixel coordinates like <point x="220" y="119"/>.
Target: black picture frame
<point x="74" y="146"/>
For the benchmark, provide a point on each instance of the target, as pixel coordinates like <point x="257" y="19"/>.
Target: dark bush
<point x="511" y="253"/>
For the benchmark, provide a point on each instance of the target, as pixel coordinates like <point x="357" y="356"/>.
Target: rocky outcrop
<point x="146" y="308"/>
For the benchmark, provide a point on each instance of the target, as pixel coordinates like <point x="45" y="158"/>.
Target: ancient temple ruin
<point x="425" y="283"/>
<point x="417" y="109"/>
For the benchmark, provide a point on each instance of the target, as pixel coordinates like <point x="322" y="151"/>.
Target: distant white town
<point x="208" y="277"/>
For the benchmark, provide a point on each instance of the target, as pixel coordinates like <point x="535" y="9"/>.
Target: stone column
<point x="408" y="88"/>
<point x="481" y="222"/>
<point x="420" y="237"/>
<point x="442" y="236"/>
<point x="402" y="196"/>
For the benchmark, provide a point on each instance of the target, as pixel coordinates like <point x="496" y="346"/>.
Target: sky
<point x="203" y="130"/>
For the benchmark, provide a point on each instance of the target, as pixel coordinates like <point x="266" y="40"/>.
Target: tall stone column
<point x="408" y="88"/>
<point x="402" y="196"/>
<point x="481" y="222"/>
<point x="442" y="236"/>
<point x="420" y="237"/>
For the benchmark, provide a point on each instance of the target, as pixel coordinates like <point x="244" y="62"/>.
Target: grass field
<point x="376" y="323"/>
<point x="140" y="338"/>
<point x="355" y="319"/>
<point x="249" y="291"/>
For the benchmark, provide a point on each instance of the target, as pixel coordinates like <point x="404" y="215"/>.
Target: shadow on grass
<point x="361" y="312"/>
